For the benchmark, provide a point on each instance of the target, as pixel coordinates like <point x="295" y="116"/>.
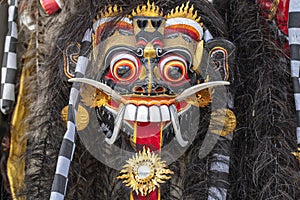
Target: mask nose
<point x="154" y="90"/>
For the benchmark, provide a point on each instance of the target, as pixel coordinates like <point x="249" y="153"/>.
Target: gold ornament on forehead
<point x="148" y="10"/>
<point x="185" y="11"/>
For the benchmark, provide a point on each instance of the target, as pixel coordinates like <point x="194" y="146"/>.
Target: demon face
<point x="148" y="78"/>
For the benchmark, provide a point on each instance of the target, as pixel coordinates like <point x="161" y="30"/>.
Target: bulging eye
<point x="124" y="70"/>
<point x="124" y="67"/>
<point x="173" y="69"/>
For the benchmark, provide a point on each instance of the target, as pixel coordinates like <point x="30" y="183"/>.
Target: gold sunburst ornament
<point x="144" y="172"/>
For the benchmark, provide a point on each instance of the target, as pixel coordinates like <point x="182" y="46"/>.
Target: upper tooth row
<point x="147" y="114"/>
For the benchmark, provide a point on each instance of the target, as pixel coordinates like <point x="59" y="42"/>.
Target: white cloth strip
<point x="73" y="96"/>
<point x="218" y="193"/>
<point x="87" y="36"/>
<point x="295" y="68"/>
<point x="221" y="164"/>
<point x="7" y="94"/>
<point x="298" y="135"/>
<point x="56" y="196"/>
<point x="207" y="35"/>
<point x="11" y="11"/>
<point x="82" y="61"/>
<point x="67" y="149"/>
<point x="70" y="130"/>
<point x="297" y="101"/>
<point x="294" y="35"/>
<point x="7" y="43"/>
<point x="61" y="163"/>
<point x="14" y="30"/>
<point x="9" y="62"/>
<point x="294" y="6"/>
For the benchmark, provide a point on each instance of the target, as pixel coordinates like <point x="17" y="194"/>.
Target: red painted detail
<point x="282" y="15"/>
<point x="141" y="43"/>
<point x="121" y="25"/>
<point x="148" y="134"/>
<point x="265" y="7"/>
<point x="152" y="196"/>
<point x="157" y="43"/>
<point x="281" y="18"/>
<point x="181" y="105"/>
<point x="184" y="29"/>
<point x="113" y="104"/>
<point x="49" y="6"/>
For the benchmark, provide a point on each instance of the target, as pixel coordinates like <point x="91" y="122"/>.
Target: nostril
<point x="138" y="89"/>
<point x="159" y="89"/>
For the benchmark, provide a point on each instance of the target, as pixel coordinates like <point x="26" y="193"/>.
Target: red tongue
<point x="148" y="134"/>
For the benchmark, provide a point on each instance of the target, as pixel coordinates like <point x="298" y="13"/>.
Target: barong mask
<point x="148" y="76"/>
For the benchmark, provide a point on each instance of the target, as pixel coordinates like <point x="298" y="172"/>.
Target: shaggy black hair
<point x="262" y="166"/>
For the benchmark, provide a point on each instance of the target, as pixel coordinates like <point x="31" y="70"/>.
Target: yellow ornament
<point x="144" y="172"/>
<point x="82" y="117"/>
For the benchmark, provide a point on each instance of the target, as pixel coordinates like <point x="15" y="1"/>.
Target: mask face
<point x="147" y="80"/>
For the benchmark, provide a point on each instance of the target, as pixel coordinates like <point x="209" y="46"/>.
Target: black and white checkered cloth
<point x="294" y="41"/>
<point x="67" y="149"/>
<point x="9" y="63"/>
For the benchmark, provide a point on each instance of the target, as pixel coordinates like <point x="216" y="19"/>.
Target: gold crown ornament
<point x="184" y="11"/>
<point x="148" y="10"/>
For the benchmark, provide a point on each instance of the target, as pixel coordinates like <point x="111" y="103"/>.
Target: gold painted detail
<point x="149" y="51"/>
<point x="93" y="97"/>
<point x="273" y="9"/>
<point x="185" y="11"/>
<point x="144" y="172"/>
<point x="109" y="11"/>
<point x="297" y="154"/>
<point x="149" y="10"/>
<point x="82" y="117"/>
<point x="223" y="122"/>
<point x="203" y="98"/>
<point x="71" y="54"/>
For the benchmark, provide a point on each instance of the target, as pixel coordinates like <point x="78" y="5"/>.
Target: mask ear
<point x="71" y="54"/>
<point x="221" y="53"/>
